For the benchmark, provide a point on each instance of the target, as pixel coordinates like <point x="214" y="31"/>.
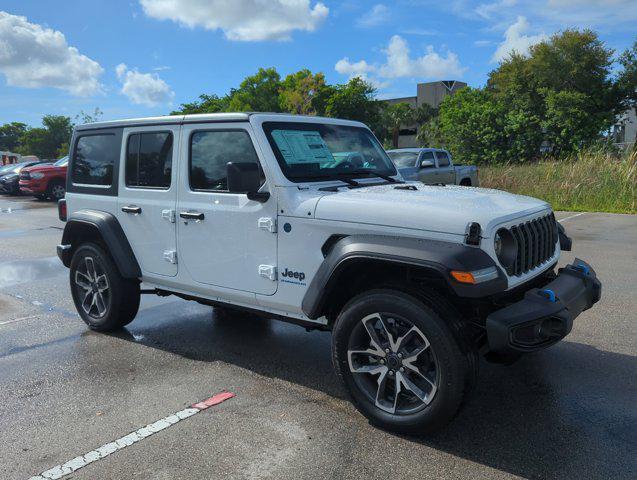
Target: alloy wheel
<point x="93" y="288"/>
<point x="393" y="364"/>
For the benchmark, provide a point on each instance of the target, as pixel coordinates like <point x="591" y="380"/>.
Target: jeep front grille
<point x="536" y="241"/>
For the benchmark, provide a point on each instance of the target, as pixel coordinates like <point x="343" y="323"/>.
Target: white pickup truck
<point x="433" y="166"/>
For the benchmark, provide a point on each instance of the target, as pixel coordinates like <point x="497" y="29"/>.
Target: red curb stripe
<point x="214" y="400"/>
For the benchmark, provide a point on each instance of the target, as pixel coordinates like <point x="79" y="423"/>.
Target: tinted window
<point x="95" y="156"/>
<point x="149" y="160"/>
<point x="428" y="156"/>
<point x="210" y="151"/>
<point x="443" y="159"/>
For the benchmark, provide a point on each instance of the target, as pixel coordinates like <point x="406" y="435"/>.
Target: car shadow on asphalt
<point x="565" y="412"/>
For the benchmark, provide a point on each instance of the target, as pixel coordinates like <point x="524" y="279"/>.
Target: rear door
<point x="446" y="173"/>
<point x="148" y="196"/>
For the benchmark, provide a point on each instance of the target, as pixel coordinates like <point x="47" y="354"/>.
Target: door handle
<point x="132" y="209"/>
<point x="192" y="215"/>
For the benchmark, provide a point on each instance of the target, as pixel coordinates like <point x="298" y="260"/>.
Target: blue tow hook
<point x="550" y="294"/>
<point x="583" y="268"/>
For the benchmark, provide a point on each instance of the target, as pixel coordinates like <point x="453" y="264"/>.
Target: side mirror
<point x="244" y="177"/>
<point x="426" y="164"/>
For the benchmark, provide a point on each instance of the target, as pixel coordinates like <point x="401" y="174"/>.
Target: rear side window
<point x="443" y="159"/>
<point x="149" y="160"/>
<point x="211" y="150"/>
<point x="95" y="156"/>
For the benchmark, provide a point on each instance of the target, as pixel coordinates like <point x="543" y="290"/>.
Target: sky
<point x="135" y="58"/>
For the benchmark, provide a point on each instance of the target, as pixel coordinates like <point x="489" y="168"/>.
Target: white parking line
<point x="105" y="450"/>
<point x="572" y="216"/>
<point x="19" y="319"/>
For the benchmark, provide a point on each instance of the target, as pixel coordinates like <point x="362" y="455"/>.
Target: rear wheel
<point x="56" y="190"/>
<point x="465" y="182"/>
<point x="400" y="362"/>
<point x="103" y="298"/>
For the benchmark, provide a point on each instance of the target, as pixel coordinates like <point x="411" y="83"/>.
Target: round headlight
<point x="505" y="247"/>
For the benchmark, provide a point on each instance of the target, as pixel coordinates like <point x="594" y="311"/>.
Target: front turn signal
<point x="463" y="277"/>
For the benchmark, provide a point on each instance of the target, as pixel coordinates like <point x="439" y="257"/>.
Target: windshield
<point x="318" y="152"/>
<point x="404" y="159"/>
<point x="62" y="162"/>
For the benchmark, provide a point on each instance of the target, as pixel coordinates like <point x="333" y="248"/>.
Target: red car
<point x="45" y="181"/>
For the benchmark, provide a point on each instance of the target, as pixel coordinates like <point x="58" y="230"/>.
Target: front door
<point x="148" y="196"/>
<point x="224" y="239"/>
<point x="427" y="175"/>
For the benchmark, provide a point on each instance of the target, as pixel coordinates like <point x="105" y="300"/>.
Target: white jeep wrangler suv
<point x="306" y="220"/>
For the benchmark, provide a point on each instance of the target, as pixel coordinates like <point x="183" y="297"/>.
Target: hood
<point x="447" y="209"/>
<point x="41" y="167"/>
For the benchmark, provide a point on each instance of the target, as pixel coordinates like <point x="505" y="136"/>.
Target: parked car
<point x="306" y="219"/>
<point x="10" y="176"/>
<point x="432" y="166"/>
<point x="45" y="181"/>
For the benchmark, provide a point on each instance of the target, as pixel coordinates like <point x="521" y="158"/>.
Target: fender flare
<point x="442" y="257"/>
<point x="109" y="230"/>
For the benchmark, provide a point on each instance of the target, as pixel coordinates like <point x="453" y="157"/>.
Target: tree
<point x="355" y="101"/>
<point x="84" y="118"/>
<point x="205" y="104"/>
<point x="49" y="141"/>
<point x="395" y="116"/>
<point x="533" y="90"/>
<point x="257" y="93"/>
<point x="300" y="90"/>
<point x="10" y="134"/>
<point x="627" y="81"/>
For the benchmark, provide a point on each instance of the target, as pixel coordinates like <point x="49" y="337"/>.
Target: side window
<point x="95" y="156"/>
<point x="149" y="160"/>
<point x="428" y="156"/>
<point x="211" y="150"/>
<point x="443" y="159"/>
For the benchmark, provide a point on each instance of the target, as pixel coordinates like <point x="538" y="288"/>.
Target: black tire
<point x="56" y="190"/>
<point x="465" y="182"/>
<point x="119" y="300"/>
<point x="455" y="368"/>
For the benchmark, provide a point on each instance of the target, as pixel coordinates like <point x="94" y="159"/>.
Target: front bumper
<point x="545" y="315"/>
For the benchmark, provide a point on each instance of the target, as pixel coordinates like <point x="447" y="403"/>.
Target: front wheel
<point x="400" y="362"/>
<point x="104" y="299"/>
<point x="56" y="190"/>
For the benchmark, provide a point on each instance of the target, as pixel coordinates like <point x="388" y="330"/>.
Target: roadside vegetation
<point x="591" y="180"/>
<point x="541" y="125"/>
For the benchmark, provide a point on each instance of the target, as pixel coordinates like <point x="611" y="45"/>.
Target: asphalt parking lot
<point x="567" y="412"/>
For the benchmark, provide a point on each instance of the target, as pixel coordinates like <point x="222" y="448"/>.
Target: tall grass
<point x="588" y="181"/>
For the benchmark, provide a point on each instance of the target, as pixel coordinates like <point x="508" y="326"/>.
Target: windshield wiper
<point x="376" y="174"/>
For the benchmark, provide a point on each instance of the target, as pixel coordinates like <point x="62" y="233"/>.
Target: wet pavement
<point x="567" y="412"/>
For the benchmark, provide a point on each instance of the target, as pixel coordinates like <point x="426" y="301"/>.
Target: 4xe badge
<point x="293" y="277"/>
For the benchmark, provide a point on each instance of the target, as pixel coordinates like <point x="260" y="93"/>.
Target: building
<point x="624" y="132"/>
<point x="430" y="93"/>
<point x="7" y="158"/>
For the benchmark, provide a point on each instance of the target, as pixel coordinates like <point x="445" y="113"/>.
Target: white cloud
<point x="516" y="40"/>
<point x="345" y="67"/>
<point x="592" y="13"/>
<point x="430" y="65"/>
<point x="244" y="20"/>
<point x="32" y="56"/>
<point x="486" y="10"/>
<point x="398" y="63"/>
<point x="143" y="88"/>
<point x="376" y="16"/>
